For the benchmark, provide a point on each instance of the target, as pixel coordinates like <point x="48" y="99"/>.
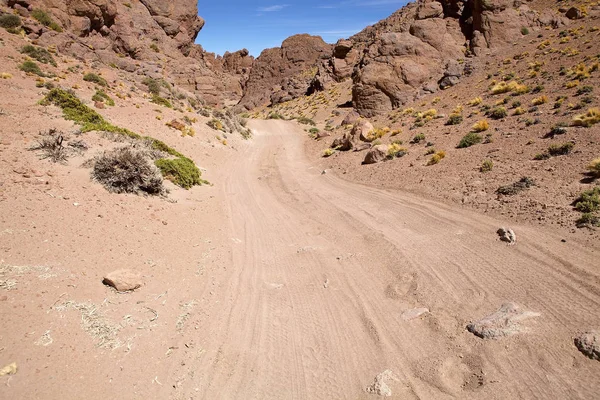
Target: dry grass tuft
<point x="51" y="147"/>
<point x="594" y="168"/>
<point x="95" y="324"/>
<point x="481" y="126"/>
<point x="588" y="119"/>
<point x="436" y="158"/>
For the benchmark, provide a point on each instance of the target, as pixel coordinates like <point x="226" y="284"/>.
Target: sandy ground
<point x="280" y="282"/>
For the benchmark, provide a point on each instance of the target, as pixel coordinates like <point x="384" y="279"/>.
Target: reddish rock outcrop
<point x="153" y="38"/>
<point x="280" y="74"/>
<point x="416" y="50"/>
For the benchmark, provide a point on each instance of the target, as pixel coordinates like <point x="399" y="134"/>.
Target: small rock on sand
<point x="123" y="280"/>
<point x="380" y="385"/>
<point x="507" y="235"/>
<point x="504" y="322"/>
<point x="10" y="369"/>
<point x="414" y="313"/>
<point x="589" y="344"/>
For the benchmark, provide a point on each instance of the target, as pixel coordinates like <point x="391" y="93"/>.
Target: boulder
<point x="123" y="280"/>
<point x="361" y="147"/>
<point x="504" y="322"/>
<point x="344" y="143"/>
<point x="342" y="48"/>
<point x="322" y="134"/>
<point x="380" y="385"/>
<point x="589" y="344"/>
<point x="507" y="235"/>
<point x="175" y="124"/>
<point x="376" y="154"/>
<point x="350" y="118"/>
<point x="430" y="9"/>
<point x="574" y="13"/>
<point x="361" y="129"/>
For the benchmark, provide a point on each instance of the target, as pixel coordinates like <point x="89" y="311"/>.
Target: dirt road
<point x="306" y="294"/>
<point x="323" y="270"/>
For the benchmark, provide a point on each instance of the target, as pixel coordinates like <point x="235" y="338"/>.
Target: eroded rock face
<point x="151" y="37"/>
<point x="280" y="74"/>
<point x="179" y="19"/>
<point x="415" y="50"/>
<point x="345" y="56"/>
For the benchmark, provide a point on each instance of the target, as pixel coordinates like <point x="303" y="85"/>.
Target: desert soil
<point x="282" y="281"/>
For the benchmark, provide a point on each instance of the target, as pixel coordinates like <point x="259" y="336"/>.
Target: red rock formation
<point x="280" y="74"/>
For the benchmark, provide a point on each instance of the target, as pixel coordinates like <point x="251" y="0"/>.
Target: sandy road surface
<point x="285" y="283"/>
<point x="323" y="270"/>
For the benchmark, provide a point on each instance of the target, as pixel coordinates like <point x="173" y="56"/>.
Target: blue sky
<point x="233" y="25"/>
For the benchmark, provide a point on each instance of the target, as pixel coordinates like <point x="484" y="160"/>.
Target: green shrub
<point x="161" y="101"/>
<point x="417" y="138"/>
<point x="306" y="121"/>
<point x="395" y="150"/>
<point x="589" y="201"/>
<point x="454" y="119"/>
<point x="560" y="149"/>
<point x="524" y="31"/>
<point x="275" y="115"/>
<point x="584" y="90"/>
<point x="498" y="113"/>
<point x="313" y="131"/>
<point x="73" y="108"/>
<point x="94" y="78"/>
<point x="588" y="219"/>
<point x="31" y="68"/>
<point x="10" y="21"/>
<point x="46" y="20"/>
<point x="153" y="86"/>
<point x="541" y="156"/>
<point x="469" y="140"/>
<point x="40" y="54"/>
<point x="516" y="187"/>
<point x="102" y="97"/>
<point x="181" y="171"/>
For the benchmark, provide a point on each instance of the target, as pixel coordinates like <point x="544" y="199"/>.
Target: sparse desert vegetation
<point x="127" y="170"/>
<point x="427" y="186"/>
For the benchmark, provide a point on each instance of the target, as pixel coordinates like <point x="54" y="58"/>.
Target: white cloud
<point x="276" y="7"/>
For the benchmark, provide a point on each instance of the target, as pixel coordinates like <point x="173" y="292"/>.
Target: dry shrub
<point x="594" y="168"/>
<point x="436" y="158"/>
<point x="51" y="147"/>
<point x="127" y="170"/>
<point x="588" y="119"/>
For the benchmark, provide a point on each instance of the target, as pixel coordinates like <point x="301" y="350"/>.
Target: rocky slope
<point x="422" y="47"/>
<point x="418" y="50"/>
<point x="150" y="38"/>
<point x="516" y="137"/>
